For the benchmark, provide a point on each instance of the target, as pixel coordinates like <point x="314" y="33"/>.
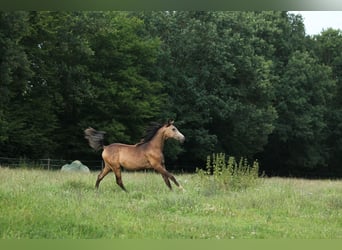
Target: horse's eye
<point x="174" y="129"/>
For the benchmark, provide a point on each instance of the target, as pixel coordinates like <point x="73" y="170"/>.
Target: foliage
<point x="222" y="175"/>
<point x="303" y="95"/>
<point x="87" y="69"/>
<point x="327" y="47"/>
<point x="216" y="80"/>
<point x="245" y="83"/>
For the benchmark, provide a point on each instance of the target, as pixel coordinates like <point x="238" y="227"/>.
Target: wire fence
<point x="49" y="164"/>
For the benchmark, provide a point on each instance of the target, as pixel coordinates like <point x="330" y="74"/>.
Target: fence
<point x="48" y="163"/>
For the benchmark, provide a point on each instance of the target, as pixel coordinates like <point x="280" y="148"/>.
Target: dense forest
<point x="250" y="84"/>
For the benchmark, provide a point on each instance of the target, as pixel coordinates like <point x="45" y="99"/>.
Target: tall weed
<point x="228" y="175"/>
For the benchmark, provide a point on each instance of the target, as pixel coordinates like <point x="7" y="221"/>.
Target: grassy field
<point x="53" y="205"/>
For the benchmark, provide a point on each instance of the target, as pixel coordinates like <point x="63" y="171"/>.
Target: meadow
<point x="41" y="204"/>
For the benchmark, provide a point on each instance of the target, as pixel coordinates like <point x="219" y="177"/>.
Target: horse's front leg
<point x="166" y="176"/>
<point x="167" y="181"/>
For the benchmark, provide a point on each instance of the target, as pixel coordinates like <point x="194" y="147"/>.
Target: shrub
<point x="222" y="175"/>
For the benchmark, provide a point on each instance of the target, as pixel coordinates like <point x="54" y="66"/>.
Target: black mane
<point x="150" y="132"/>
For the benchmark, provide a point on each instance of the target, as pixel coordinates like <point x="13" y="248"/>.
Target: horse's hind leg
<point x="117" y="172"/>
<point x="103" y="173"/>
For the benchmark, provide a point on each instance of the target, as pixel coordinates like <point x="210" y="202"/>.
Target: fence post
<point x="48" y="163"/>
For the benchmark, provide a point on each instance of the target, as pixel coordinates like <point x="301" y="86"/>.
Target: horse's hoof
<point x="182" y="189"/>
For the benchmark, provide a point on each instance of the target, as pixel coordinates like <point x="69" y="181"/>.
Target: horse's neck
<point x="157" y="141"/>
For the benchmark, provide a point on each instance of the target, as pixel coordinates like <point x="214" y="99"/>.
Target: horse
<point x="146" y="154"/>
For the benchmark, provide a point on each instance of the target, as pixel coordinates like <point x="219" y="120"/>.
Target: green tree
<point x="64" y="71"/>
<point x="101" y="61"/>
<point x="219" y="84"/>
<point x="124" y="90"/>
<point x="15" y="85"/>
<point x="298" y="141"/>
<point x="327" y="46"/>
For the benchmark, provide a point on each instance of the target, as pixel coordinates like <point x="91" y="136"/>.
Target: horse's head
<point x="172" y="132"/>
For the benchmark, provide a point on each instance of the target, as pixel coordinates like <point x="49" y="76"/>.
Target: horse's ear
<point x="170" y="122"/>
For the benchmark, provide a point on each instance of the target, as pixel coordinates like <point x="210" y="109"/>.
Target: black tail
<point x="95" y="138"/>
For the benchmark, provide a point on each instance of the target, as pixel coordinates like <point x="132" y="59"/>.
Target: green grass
<point x="38" y="204"/>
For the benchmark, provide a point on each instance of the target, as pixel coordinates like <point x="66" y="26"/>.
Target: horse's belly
<point x="134" y="163"/>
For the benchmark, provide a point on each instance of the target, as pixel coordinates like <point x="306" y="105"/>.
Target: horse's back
<point x="128" y="156"/>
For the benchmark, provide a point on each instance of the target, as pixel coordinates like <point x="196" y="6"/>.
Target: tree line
<point x="250" y="84"/>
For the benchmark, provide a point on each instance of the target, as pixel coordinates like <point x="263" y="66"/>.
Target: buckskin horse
<point x="147" y="154"/>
